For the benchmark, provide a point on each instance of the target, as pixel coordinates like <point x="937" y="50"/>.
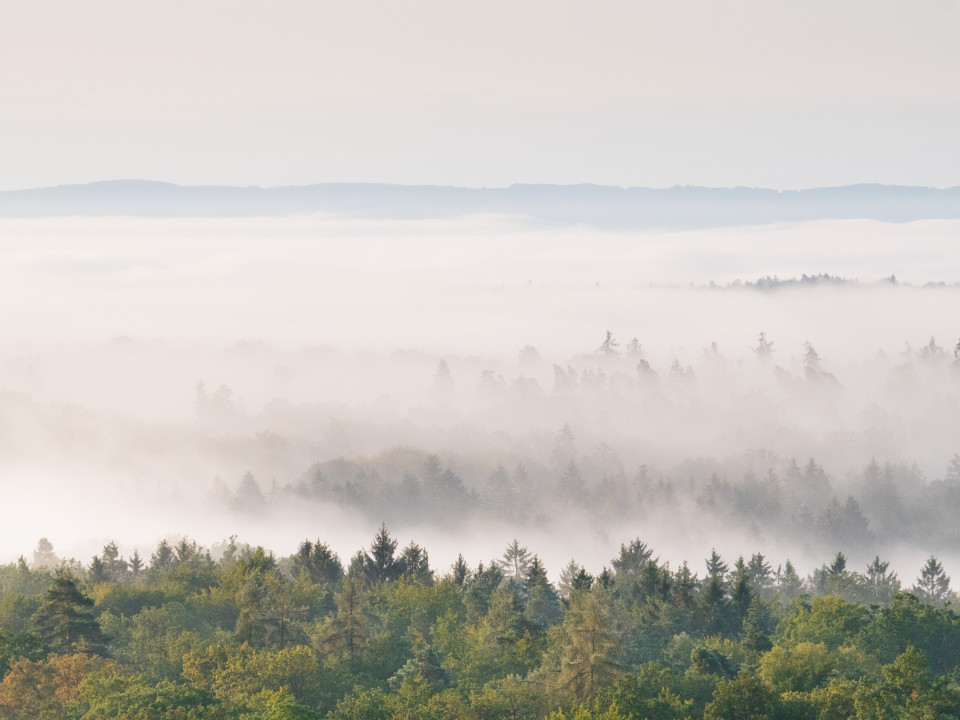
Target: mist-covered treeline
<point x="237" y="632"/>
<point x="149" y="365"/>
<point x="781" y="446"/>
<point x="890" y="505"/>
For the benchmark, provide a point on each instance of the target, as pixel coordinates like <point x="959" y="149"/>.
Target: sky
<point x="622" y="92"/>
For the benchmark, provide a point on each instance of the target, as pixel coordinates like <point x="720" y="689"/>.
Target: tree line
<point x="249" y="634"/>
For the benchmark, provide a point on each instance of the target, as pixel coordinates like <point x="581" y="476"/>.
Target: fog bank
<point x="147" y="366"/>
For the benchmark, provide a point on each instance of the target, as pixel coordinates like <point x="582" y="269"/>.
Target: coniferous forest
<point x="245" y="633"/>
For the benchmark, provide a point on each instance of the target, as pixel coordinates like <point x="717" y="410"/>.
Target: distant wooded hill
<point x="592" y="205"/>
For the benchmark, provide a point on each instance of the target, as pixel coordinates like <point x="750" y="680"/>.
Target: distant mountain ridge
<point x="593" y="205"/>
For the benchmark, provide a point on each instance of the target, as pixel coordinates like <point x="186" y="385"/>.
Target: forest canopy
<point x="246" y="634"/>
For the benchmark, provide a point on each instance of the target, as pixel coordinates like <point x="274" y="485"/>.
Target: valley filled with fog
<point x="476" y="379"/>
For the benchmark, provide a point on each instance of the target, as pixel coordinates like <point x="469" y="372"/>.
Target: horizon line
<point x="166" y="183"/>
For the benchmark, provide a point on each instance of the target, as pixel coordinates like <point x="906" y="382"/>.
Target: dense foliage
<point x="250" y="635"/>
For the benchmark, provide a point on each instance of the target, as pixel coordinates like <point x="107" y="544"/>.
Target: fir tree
<point x="756" y="636"/>
<point x="380" y="566"/>
<point x="567" y="576"/>
<point x="44" y="556"/>
<point x="741" y="594"/>
<point x="933" y="585"/>
<point x="789" y="583"/>
<point x="136" y="563"/>
<point x="162" y="558"/>
<point x="318" y="561"/>
<point x="65" y="620"/>
<point x="716" y="567"/>
<point x="515" y="561"/>
<point x="460" y="571"/>
<point x="414" y="564"/>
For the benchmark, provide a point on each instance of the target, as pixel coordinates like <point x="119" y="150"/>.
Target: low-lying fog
<point x="362" y="371"/>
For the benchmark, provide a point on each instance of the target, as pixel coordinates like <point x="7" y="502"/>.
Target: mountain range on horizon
<point x="610" y="207"/>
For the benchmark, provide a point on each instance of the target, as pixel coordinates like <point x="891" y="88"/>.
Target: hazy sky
<point x="629" y="92"/>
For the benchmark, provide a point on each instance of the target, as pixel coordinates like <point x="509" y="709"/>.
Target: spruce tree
<point x="136" y="563"/>
<point x="318" y="561"/>
<point x="414" y="564"/>
<point x="380" y="565"/>
<point x="933" y="585"/>
<point x="543" y="604"/>
<point x="65" y="620"/>
<point x="741" y="593"/>
<point x="789" y="583"/>
<point x="460" y="571"/>
<point x="567" y="576"/>
<point x="515" y="561"/>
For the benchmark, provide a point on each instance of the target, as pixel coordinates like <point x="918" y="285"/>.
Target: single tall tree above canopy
<point x="515" y="561"/>
<point x="716" y="567"/>
<point x="632" y="559"/>
<point x="380" y="565"/>
<point x="65" y="621"/>
<point x="933" y="585"/>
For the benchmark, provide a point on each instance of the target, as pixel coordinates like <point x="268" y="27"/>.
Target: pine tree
<point x="608" y="347"/>
<point x="414" y="564"/>
<point x="344" y="635"/>
<point x="65" y="620"/>
<point x="591" y="654"/>
<point x="515" y="561"/>
<point x="582" y="582"/>
<point x="98" y="571"/>
<point x="44" y="556"/>
<point x="635" y="349"/>
<point x="250" y="606"/>
<point x="478" y="591"/>
<point x="760" y="574"/>
<point x="789" y="583"/>
<point x="630" y="563"/>
<point x="953" y="470"/>
<point x="116" y="567"/>
<point x="136" y="563"/>
<point x="249" y="495"/>
<point x="880" y="584"/>
<point x="605" y="578"/>
<point x="567" y="576"/>
<point x="460" y="571"/>
<point x="543" y="604"/>
<point x="838" y="567"/>
<point x="162" y="558"/>
<point x="655" y="582"/>
<point x="282" y="609"/>
<point x="684" y="587"/>
<point x="380" y="565"/>
<point x="186" y="550"/>
<point x="741" y="594"/>
<point x="318" y="561"/>
<point x="536" y="573"/>
<point x="714" y="606"/>
<point x="716" y="567"/>
<point x="933" y="585"/>
<point x="756" y="637"/>
<point x="764" y="348"/>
